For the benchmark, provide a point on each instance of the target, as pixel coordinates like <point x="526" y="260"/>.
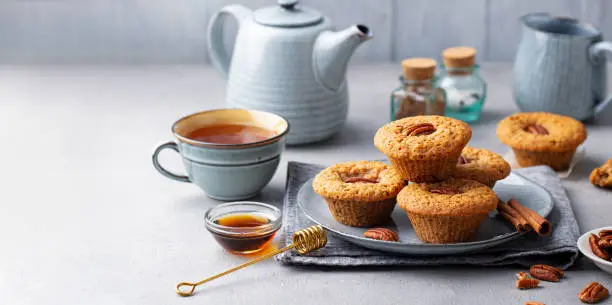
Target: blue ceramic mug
<point x="560" y="67"/>
<point x="227" y="171"/>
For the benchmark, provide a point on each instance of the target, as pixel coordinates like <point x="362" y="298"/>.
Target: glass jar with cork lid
<point x="465" y="89"/>
<point x="417" y="94"/>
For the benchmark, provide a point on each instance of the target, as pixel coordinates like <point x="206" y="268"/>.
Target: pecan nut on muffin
<point x="602" y="176"/>
<point x="541" y="138"/>
<point x="423" y="148"/>
<point x="447" y="212"/>
<point x="481" y="165"/>
<point x="361" y="193"/>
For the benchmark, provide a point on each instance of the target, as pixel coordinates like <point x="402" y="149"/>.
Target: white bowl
<point x="585" y="248"/>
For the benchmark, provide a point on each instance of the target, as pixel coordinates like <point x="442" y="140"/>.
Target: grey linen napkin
<point x="559" y="249"/>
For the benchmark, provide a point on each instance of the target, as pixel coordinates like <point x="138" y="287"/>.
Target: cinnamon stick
<point x="513" y="217"/>
<point x="537" y="222"/>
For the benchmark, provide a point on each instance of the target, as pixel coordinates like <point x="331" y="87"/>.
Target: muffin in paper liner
<point x="578" y="156"/>
<point x="447" y="212"/>
<point x="423" y="148"/>
<point x="446" y="229"/>
<point x="557" y="160"/>
<point x="541" y="138"/>
<point x="360" y="193"/>
<point x="361" y="213"/>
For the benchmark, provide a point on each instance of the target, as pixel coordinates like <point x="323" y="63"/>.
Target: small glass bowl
<point x="243" y="239"/>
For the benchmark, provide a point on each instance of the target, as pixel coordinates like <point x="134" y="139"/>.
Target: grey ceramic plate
<point x="492" y="232"/>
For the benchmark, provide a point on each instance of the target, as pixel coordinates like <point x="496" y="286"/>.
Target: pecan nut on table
<point x="593" y="293"/>
<point x="546" y="273"/>
<point x="524" y="281"/>
<point x="381" y="234"/>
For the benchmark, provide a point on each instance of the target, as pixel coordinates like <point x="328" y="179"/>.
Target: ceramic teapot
<point x="560" y="67"/>
<point x="287" y="60"/>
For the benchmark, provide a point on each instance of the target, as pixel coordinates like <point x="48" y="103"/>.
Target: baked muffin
<point x="541" y="138"/>
<point x="481" y="165"/>
<point x="359" y="194"/>
<point x="447" y="212"/>
<point x="423" y="148"/>
<point x="602" y="176"/>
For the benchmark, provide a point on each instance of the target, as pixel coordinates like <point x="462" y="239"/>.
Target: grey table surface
<point x="85" y="219"/>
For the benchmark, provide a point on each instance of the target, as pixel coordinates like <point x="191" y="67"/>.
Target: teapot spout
<point x="332" y="52"/>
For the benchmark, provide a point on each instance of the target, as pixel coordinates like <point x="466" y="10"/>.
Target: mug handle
<point x="596" y="52"/>
<point x="163" y="171"/>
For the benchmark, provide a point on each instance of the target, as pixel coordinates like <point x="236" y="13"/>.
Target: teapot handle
<point x="596" y="52"/>
<point x="218" y="54"/>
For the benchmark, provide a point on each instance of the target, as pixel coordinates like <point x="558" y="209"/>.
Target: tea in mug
<point x="230" y="134"/>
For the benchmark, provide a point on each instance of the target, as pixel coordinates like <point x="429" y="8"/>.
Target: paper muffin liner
<point x="437" y="229"/>
<point x="557" y="160"/>
<point x="421" y="171"/>
<point x="361" y="213"/>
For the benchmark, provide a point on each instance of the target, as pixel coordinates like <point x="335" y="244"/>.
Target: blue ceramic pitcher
<point x="560" y="67"/>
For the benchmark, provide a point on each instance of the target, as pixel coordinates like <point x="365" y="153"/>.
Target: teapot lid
<point x="286" y="14"/>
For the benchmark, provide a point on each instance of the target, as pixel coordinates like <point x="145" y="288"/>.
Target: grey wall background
<point x="174" y="31"/>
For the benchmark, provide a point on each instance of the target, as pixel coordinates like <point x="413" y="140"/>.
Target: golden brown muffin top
<point x="541" y="131"/>
<point x="358" y="181"/>
<point x="478" y="164"/>
<point x="456" y="197"/>
<point x="423" y="137"/>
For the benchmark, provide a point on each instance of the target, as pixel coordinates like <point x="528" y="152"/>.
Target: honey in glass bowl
<point x="243" y="227"/>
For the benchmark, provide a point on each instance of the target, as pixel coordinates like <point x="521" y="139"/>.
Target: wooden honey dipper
<point x="304" y="241"/>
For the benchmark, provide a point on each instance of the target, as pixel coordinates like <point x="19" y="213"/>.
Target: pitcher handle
<point x="596" y="53"/>
<point x="163" y="171"/>
<point x="218" y="54"/>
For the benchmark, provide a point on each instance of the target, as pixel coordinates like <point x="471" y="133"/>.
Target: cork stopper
<point x="459" y="57"/>
<point x="418" y="68"/>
